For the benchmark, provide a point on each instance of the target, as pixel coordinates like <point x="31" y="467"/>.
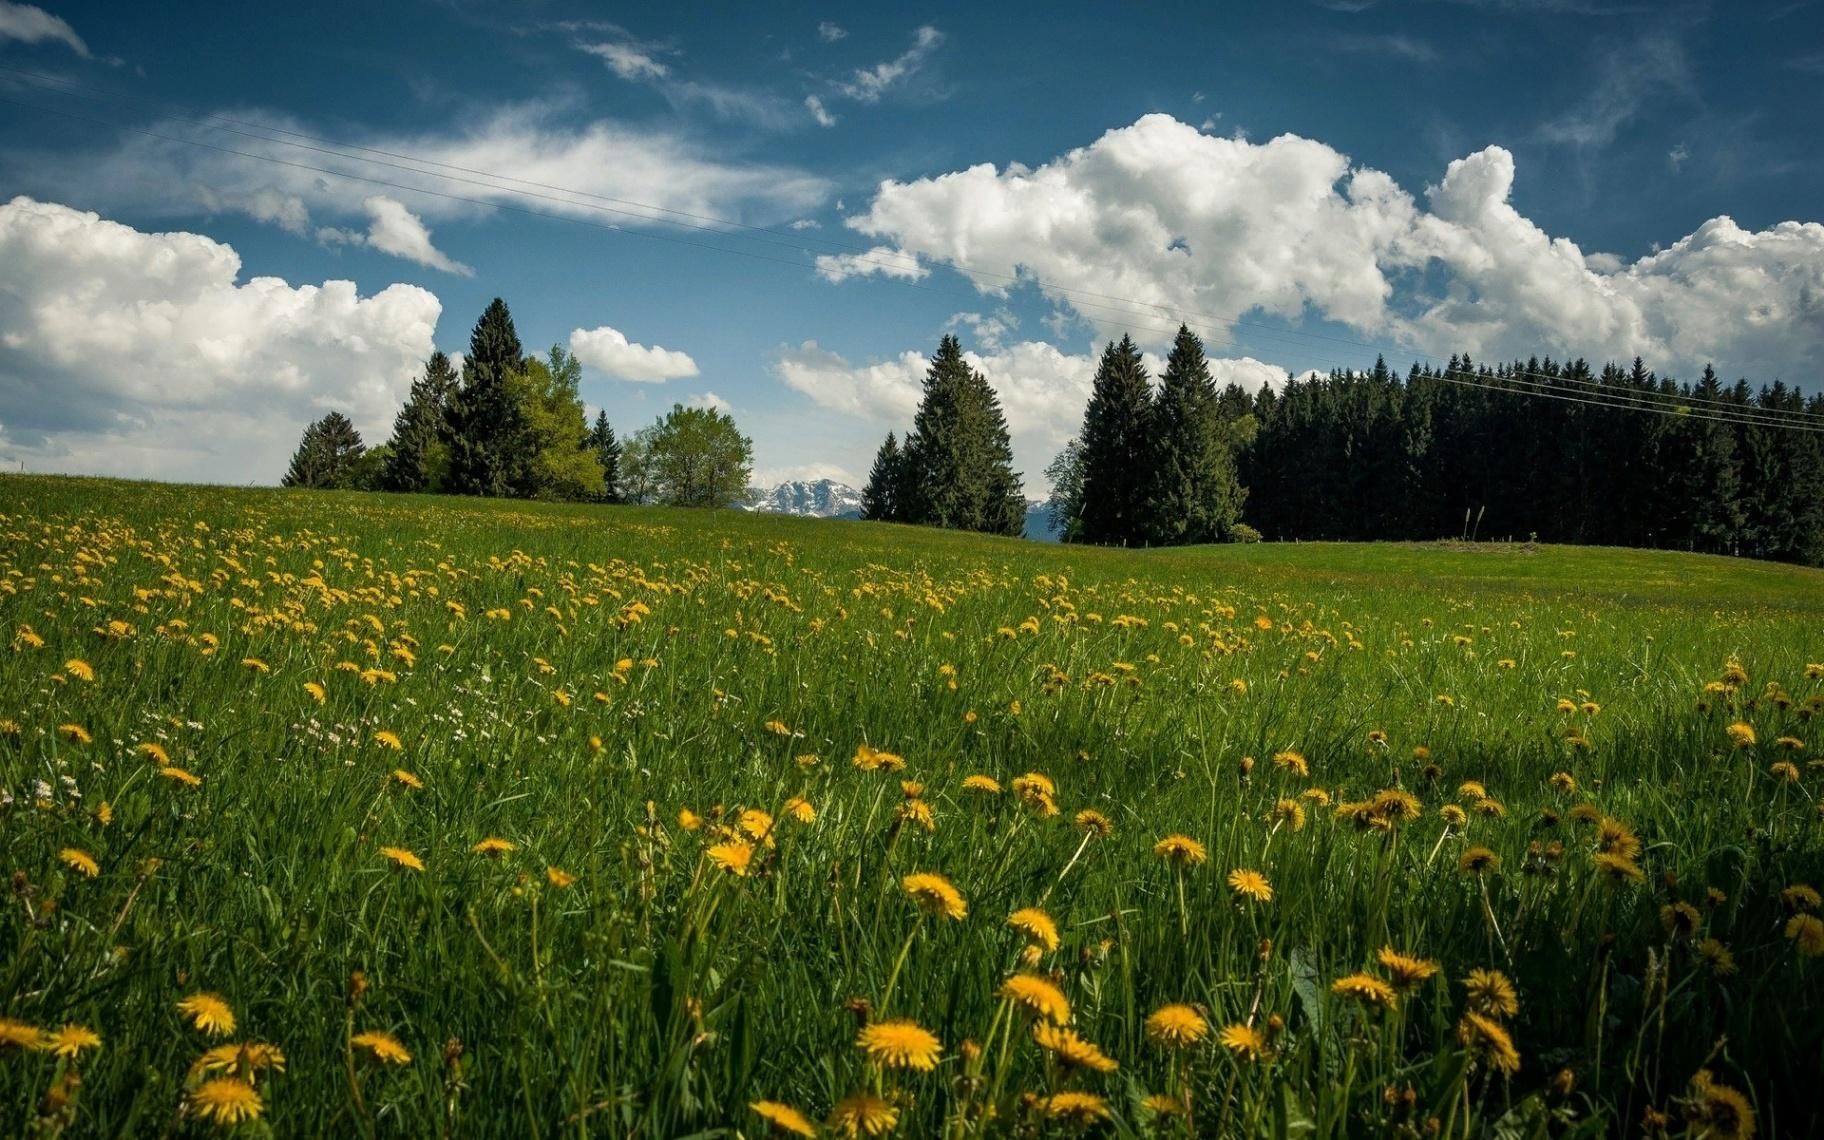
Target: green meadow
<point x="340" y="814"/>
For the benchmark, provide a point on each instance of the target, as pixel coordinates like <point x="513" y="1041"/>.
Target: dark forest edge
<point x="1526" y="451"/>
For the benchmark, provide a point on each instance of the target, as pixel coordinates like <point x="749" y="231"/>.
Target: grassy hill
<point x="504" y="818"/>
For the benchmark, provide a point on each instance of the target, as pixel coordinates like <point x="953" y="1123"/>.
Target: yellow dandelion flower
<point x="1453" y="815"/>
<point x="1680" y="919"/>
<point x="1163" y="1104"/>
<point x="1491" y="994"/>
<point x="247" y="1058"/>
<point x="493" y="847"/>
<point x="1807" y="933"/>
<point x="401" y="776"/>
<point x="209" y="1013"/>
<point x="1477" y="860"/>
<point x="1366" y="989"/>
<point x="225" y="1101"/>
<point x="71" y="1040"/>
<point x="1180" y="850"/>
<point x="180" y="776"/>
<point x="1071" y="1050"/>
<point x="559" y="878"/>
<point x="1037" y="997"/>
<point x="1785" y="771"/>
<point x="1800" y="896"/>
<point x="75" y="734"/>
<point x="153" y="751"/>
<point x="1613" y="837"/>
<point x="1250" y="885"/>
<point x="1176" y="1026"/>
<point x="19" y="1035"/>
<point x="800" y="809"/>
<point x="1289" y="812"/>
<point x="734" y="857"/>
<point x="783" y="1119"/>
<point x="1741" y="733"/>
<point x="400" y="857"/>
<point x="1407" y="970"/>
<point x="1564" y="782"/>
<point x="980" y="783"/>
<point x="1092" y="822"/>
<point x="756" y="825"/>
<point x="900" y="1044"/>
<point x="388" y="740"/>
<point x="869" y="759"/>
<point x="1036" y="925"/>
<point x="1717" y="956"/>
<point x="79" y="861"/>
<point x="383" y="1045"/>
<point x="1293" y="762"/>
<point x="1618" y="869"/>
<point x="934" y="894"/>
<point x="1244" y="1041"/>
<point x="317" y="692"/>
<point x="1717" y="1111"/>
<point x="255" y="665"/>
<point x="1078" y="1108"/>
<point x="689" y="820"/>
<point x="1489" y="1042"/>
<point x="863" y="1114"/>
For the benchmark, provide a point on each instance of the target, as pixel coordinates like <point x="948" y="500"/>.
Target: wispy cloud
<point x="1387" y="45"/>
<point x="829" y="33"/>
<point x="1632" y="74"/>
<point x="868" y="84"/>
<point x="1812" y="64"/>
<point x="632" y="62"/>
<point x="32" y="25"/>
<point x="818" y="111"/>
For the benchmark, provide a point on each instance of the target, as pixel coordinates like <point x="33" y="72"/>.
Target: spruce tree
<point x="1196" y="495"/>
<point x="880" y="498"/>
<point x="1113" y="498"/>
<point x="608" y="453"/>
<point x="327" y="454"/>
<point x="487" y="453"/>
<point x="960" y="459"/>
<point x="419" y="455"/>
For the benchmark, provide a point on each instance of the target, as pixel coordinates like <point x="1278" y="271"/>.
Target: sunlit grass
<point x="500" y="819"/>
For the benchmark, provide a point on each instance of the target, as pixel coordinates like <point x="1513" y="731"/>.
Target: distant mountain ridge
<point x="829" y="499"/>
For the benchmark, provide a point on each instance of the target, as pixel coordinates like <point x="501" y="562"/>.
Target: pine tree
<point x="419" y="457"/>
<point x="880" y="498"/>
<point x="1115" y="483"/>
<point x="608" y="453"/>
<point x="959" y="458"/>
<point x="1196" y="495"/>
<point x="327" y="456"/>
<point x="485" y="425"/>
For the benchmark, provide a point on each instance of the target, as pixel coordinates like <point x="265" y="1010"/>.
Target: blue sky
<point x="1304" y="183"/>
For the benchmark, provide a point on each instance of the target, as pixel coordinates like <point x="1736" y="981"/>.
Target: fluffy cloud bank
<point x="608" y="350"/>
<point x="133" y="353"/>
<point x="1212" y="229"/>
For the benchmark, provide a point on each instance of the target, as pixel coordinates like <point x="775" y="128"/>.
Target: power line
<point x="1636" y="399"/>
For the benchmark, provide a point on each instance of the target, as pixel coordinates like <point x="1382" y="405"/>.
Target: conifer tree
<point x="880" y="498"/>
<point x="327" y="456"/>
<point x="960" y="459"/>
<point x="608" y="453"/>
<point x="484" y="421"/>
<point x="419" y="457"/>
<point x="1196" y="495"/>
<point x="1112" y="502"/>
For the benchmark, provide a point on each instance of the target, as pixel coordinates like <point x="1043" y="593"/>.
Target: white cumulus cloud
<point x="608" y="351"/>
<point x="711" y="401"/>
<point x="1179" y="224"/>
<point x="396" y="230"/>
<point x="883" y="260"/>
<point x="29" y="24"/>
<point x="134" y="353"/>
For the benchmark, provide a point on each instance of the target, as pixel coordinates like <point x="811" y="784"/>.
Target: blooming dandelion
<point x="225" y="1101"/>
<point x="1244" y="1041"/>
<point x="209" y="1013"/>
<point x="1491" y="994"/>
<point x="493" y="847"/>
<point x="1365" y="989"/>
<point x="1251" y="885"/>
<point x="783" y="1119"/>
<point x="19" y="1035"/>
<point x="80" y="861"/>
<point x="389" y="740"/>
<point x="180" y="776"/>
<point x="1037" y="997"/>
<point x="71" y="1040"/>
<point x="559" y="878"/>
<point x="1489" y="1043"/>
<point x="1071" y="1050"/>
<point x="900" y="1044"/>
<point x="733" y="857"/>
<point x="1741" y="734"/>
<point x="400" y="857"/>
<point x="384" y="1047"/>
<point x="1806" y="931"/>
<point x="1407" y="971"/>
<point x="863" y="1114"/>
<point x="934" y="894"/>
<point x="1176" y="1026"/>
<point x="1036" y="925"/>
<point x="1180" y="851"/>
<point x="1081" y="1109"/>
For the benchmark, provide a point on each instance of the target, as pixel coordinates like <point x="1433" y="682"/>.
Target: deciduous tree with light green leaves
<point x="690" y="457"/>
<point x="558" y="461"/>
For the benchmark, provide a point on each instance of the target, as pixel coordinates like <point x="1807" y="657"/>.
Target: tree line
<point x="514" y="426"/>
<point x="1539" y="450"/>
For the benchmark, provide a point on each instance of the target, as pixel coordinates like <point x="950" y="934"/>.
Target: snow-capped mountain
<point x="819" y="499"/>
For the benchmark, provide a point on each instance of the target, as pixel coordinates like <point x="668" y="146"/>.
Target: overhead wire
<point x="1543" y="384"/>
